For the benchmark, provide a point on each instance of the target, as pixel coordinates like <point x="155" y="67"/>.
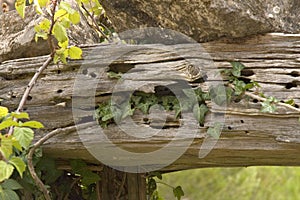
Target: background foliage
<point x="267" y="183"/>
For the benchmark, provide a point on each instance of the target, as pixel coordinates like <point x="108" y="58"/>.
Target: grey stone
<point x="206" y="20"/>
<point x="17" y="35"/>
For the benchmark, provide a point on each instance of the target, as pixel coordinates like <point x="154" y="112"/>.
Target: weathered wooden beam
<point x="249" y="137"/>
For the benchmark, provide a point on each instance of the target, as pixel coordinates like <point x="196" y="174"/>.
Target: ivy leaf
<point x="178" y="192"/>
<point x="135" y="99"/>
<point x="3" y="111"/>
<point x="33" y="124"/>
<point x="177" y="109"/>
<point x="156" y="174"/>
<point x="218" y="94"/>
<point x="20" y="7"/>
<point x="200" y="112"/>
<point x="239" y="87"/>
<point x="237" y="67"/>
<point x="59" y="32"/>
<point x="115" y="75"/>
<point x="6" y="147"/>
<point x="11" y="184"/>
<point x="126" y="110"/>
<point x="24" y="136"/>
<point x="75" y="52"/>
<point x="290" y="102"/>
<point x="152" y="186"/>
<point x="19" y="164"/>
<point x="268" y="107"/>
<point x="6" y="170"/>
<point x="215" y="131"/>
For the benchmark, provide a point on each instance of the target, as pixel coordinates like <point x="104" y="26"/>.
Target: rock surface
<point x="17" y="35"/>
<point x="205" y="20"/>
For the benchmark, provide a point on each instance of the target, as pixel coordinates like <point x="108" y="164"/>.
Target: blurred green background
<point x="252" y="183"/>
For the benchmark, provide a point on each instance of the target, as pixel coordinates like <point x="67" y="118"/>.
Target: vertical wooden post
<point x="117" y="185"/>
<point x="136" y="186"/>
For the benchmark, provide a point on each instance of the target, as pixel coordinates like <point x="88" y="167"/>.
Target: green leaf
<point x="49" y="169"/>
<point x="290" y="102"/>
<point x="77" y="165"/>
<point x="6" y="170"/>
<point x="178" y="192"/>
<point x="63" y="45"/>
<point x="239" y="87"/>
<point x="268" y="107"/>
<point x="21" y="115"/>
<point x="11" y="184"/>
<point x="215" y="131"/>
<point x="8" y="123"/>
<point x="156" y="174"/>
<point x="74" y="18"/>
<point x="200" y="112"/>
<point x="75" y="52"/>
<point x="88" y="177"/>
<point x="60" y="13"/>
<point x="6" y="146"/>
<point x="151" y="185"/>
<point x="24" y="136"/>
<point x="115" y="75"/>
<point x="135" y="99"/>
<point x="3" y="111"/>
<point x="19" y="164"/>
<point x="218" y="94"/>
<point x="20" y="7"/>
<point x="66" y="6"/>
<point x="33" y="124"/>
<point x="45" y="25"/>
<point x="16" y="144"/>
<point x="144" y="107"/>
<point x="43" y="3"/>
<point x="8" y="194"/>
<point x="59" y="32"/>
<point x="237" y="67"/>
<point x="126" y="110"/>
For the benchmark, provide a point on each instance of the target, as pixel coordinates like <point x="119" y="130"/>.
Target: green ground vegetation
<point x="251" y="183"/>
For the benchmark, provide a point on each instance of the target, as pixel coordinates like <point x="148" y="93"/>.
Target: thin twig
<point x="95" y="23"/>
<point x="41" y="69"/>
<point x="35" y="177"/>
<point x="262" y="99"/>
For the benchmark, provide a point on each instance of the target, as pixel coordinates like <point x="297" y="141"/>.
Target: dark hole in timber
<point x="294" y="74"/>
<point x="247" y="72"/>
<point x="29" y="98"/>
<point x="291" y="85"/>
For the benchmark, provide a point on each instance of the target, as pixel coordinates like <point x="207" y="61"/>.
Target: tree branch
<point x="35" y="177"/>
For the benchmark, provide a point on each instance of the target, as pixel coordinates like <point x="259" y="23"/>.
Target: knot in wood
<point x="193" y="72"/>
